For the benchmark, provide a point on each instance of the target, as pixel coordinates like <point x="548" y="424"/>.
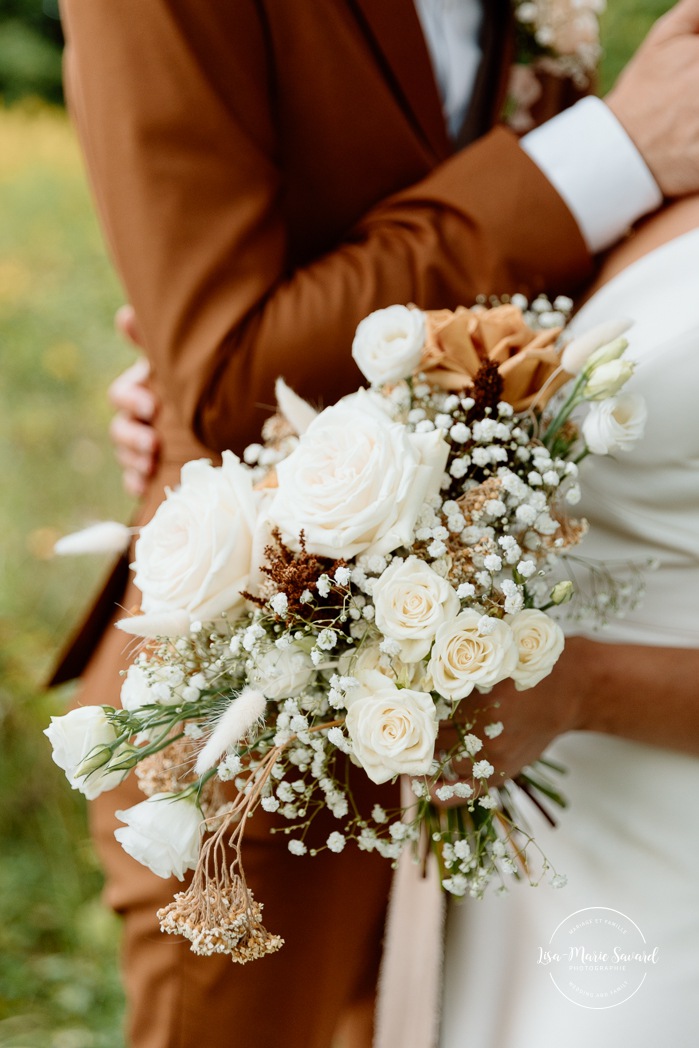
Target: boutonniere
<point x="558" y="38"/>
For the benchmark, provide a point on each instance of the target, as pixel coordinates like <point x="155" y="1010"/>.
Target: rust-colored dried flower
<point x="294" y="574"/>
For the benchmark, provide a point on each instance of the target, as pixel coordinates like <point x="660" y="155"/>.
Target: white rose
<point x="388" y="344"/>
<point x="411" y="602"/>
<point x="616" y="423"/>
<point x="356" y="481"/>
<point x="194" y="556"/>
<point x="463" y="658"/>
<point x="163" y="834"/>
<point x="282" y="674"/>
<point x="540" y="642"/>
<point x="78" y="735"/>
<point x="393" y="732"/>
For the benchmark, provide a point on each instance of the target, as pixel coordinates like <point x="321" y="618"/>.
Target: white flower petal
<point x="109" y="536"/>
<point x="297" y="411"/>
<point x="157" y="624"/>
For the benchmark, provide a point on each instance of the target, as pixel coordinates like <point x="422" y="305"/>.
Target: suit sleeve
<point x="172" y="103"/>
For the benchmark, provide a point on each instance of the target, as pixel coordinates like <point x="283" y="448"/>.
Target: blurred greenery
<point x="624" y="24"/>
<point x="58" y="946"/>
<point x="30" y="49"/>
<point x="58" y="983"/>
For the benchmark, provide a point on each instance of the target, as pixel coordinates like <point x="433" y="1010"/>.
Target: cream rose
<point x="539" y="641"/>
<point x="80" y="734"/>
<point x="194" y="556"/>
<point x="388" y="344"/>
<point x="356" y="482"/>
<point x="463" y="658"/>
<point x="393" y="731"/>
<point x="615" y="423"/>
<point x="411" y="602"/>
<point x="163" y="834"/>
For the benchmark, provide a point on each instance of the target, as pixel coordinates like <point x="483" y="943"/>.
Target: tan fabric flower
<point x="459" y="342"/>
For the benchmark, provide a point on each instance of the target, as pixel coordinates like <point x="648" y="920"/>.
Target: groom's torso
<point x="357" y="110"/>
<point x="340" y="98"/>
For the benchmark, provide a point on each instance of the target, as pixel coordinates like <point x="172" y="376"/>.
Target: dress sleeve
<point x="174" y="106"/>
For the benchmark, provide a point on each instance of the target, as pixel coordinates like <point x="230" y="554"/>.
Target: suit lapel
<point x="490" y="87"/>
<point x="393" y="31"/>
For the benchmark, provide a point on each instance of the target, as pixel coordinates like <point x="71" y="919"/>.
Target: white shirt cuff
<point x="590" y="160"/>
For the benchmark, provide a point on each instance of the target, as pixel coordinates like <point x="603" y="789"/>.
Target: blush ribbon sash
<point x="410" y="983"/>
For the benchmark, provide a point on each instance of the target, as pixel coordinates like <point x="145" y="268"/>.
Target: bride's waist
<point x="665" y="615"/>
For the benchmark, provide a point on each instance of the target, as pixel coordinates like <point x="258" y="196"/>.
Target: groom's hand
<point x="656" y="99"/>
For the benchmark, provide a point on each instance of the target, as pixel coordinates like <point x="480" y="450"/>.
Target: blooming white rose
<point x="540" y="642"/>
<point x="282" y="674"/>
<point x="615" y="423"/>
<point x="411" y="602"/>
<point x="163" y="834"/>
<point x="388" y="344"/>
<point x="79" y="735"/>
<point x="464" y="658"/>
<point x="607" y="379"/>
<point x="356" y="481"/>
<point x="393" y="731"/>
<point x="194" y="556"/>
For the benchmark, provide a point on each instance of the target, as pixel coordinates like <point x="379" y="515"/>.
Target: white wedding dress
<point x="630" y="839"/>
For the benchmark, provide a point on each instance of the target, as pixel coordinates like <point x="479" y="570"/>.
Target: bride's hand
<point x="131" y="432"/>
<point x="531" y="719"/>
<point x="640" y="692"/>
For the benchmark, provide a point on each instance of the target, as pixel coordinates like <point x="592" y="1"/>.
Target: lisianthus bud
<point x="578" y="352"/>
<point x="607" y="379"/>
<point x="562" y="592"/>
<point x="610" y="351"/>
<point x="94" y="761"/>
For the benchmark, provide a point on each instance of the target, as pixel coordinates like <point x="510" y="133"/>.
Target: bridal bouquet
<point x="337" y="596"/>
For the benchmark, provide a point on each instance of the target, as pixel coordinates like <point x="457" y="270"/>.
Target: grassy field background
<point x="58" y="946"/>
<point x="58" y="984"/>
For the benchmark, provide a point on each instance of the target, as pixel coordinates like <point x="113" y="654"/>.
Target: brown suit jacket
<point x="268" y="172"/>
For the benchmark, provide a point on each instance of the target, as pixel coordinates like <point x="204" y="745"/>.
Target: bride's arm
<point x="648" y="694"/>
<point x="672" y="221"/>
